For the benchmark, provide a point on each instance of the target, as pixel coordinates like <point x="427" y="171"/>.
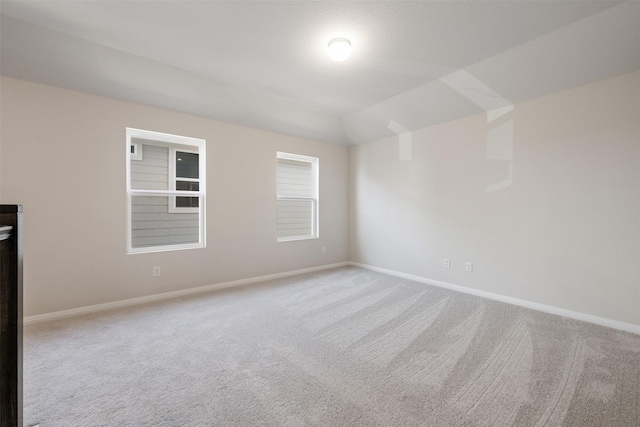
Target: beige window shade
<point x="297" y="201"/>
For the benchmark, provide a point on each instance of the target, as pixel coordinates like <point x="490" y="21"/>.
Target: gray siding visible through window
<point x="152" y="172"/>
<point x="151" y="222"/>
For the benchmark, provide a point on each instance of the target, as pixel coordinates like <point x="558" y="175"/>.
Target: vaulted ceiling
<point x="264" y="64"/>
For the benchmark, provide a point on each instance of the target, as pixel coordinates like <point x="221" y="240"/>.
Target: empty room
<point x="323" y="213"/>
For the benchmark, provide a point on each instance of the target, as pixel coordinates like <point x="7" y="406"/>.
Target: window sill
<point x="152" y="249"/>
<point x="294" y="238"/>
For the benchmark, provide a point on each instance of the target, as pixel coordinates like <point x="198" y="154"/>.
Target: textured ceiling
<point x="263" y="64"/>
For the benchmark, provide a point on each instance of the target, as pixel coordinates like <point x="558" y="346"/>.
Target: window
<point x="184" y="172"/>
<point x="297" y="187"/>
<point x="165" y="192"/>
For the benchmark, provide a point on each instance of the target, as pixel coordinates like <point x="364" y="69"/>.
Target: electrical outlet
<point x="324" y="249"/>
<point x="156" y="271"/>
<point x="446" y="262"/>
<point x="468" y="266"/>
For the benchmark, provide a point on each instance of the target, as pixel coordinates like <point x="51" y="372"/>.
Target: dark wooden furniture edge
<point x="11" y="316"/>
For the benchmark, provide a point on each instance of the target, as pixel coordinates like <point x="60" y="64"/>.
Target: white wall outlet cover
<point x="468" y="266"/>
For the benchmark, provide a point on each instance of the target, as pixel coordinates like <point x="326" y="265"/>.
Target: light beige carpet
<point x="345" y="347"/>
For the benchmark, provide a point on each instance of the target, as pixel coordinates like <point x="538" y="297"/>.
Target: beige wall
<point x="75" y="206"/>
<point x="545" y="201"/>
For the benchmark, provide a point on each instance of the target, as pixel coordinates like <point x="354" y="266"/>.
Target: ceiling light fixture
<point x="339" y="48"/>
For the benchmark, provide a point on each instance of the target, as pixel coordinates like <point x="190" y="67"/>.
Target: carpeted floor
<point x="344" y="347"/>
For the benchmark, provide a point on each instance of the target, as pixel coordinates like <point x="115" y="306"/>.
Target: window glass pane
<point x="152" y="224"/>
<point x="187" y="185"/>
<point x="187" y="165"/>
<point x="152" y="172"/>
<point x="187" y="202"/>
<point x="295" y="218"/>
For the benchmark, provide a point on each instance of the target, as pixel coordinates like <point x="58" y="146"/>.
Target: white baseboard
<point x="168" y="295"/>
<point x="629" y="327"/>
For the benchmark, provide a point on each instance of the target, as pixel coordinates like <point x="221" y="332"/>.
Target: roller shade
<point x="296" y="198"/>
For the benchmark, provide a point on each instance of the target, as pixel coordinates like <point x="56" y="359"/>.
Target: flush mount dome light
<point x="339" y="48"/>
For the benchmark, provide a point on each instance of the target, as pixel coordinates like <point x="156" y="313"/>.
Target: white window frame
<point x="315" y="225"/>
<point x="173" y="178"/>
<point x="196" y="144"/>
